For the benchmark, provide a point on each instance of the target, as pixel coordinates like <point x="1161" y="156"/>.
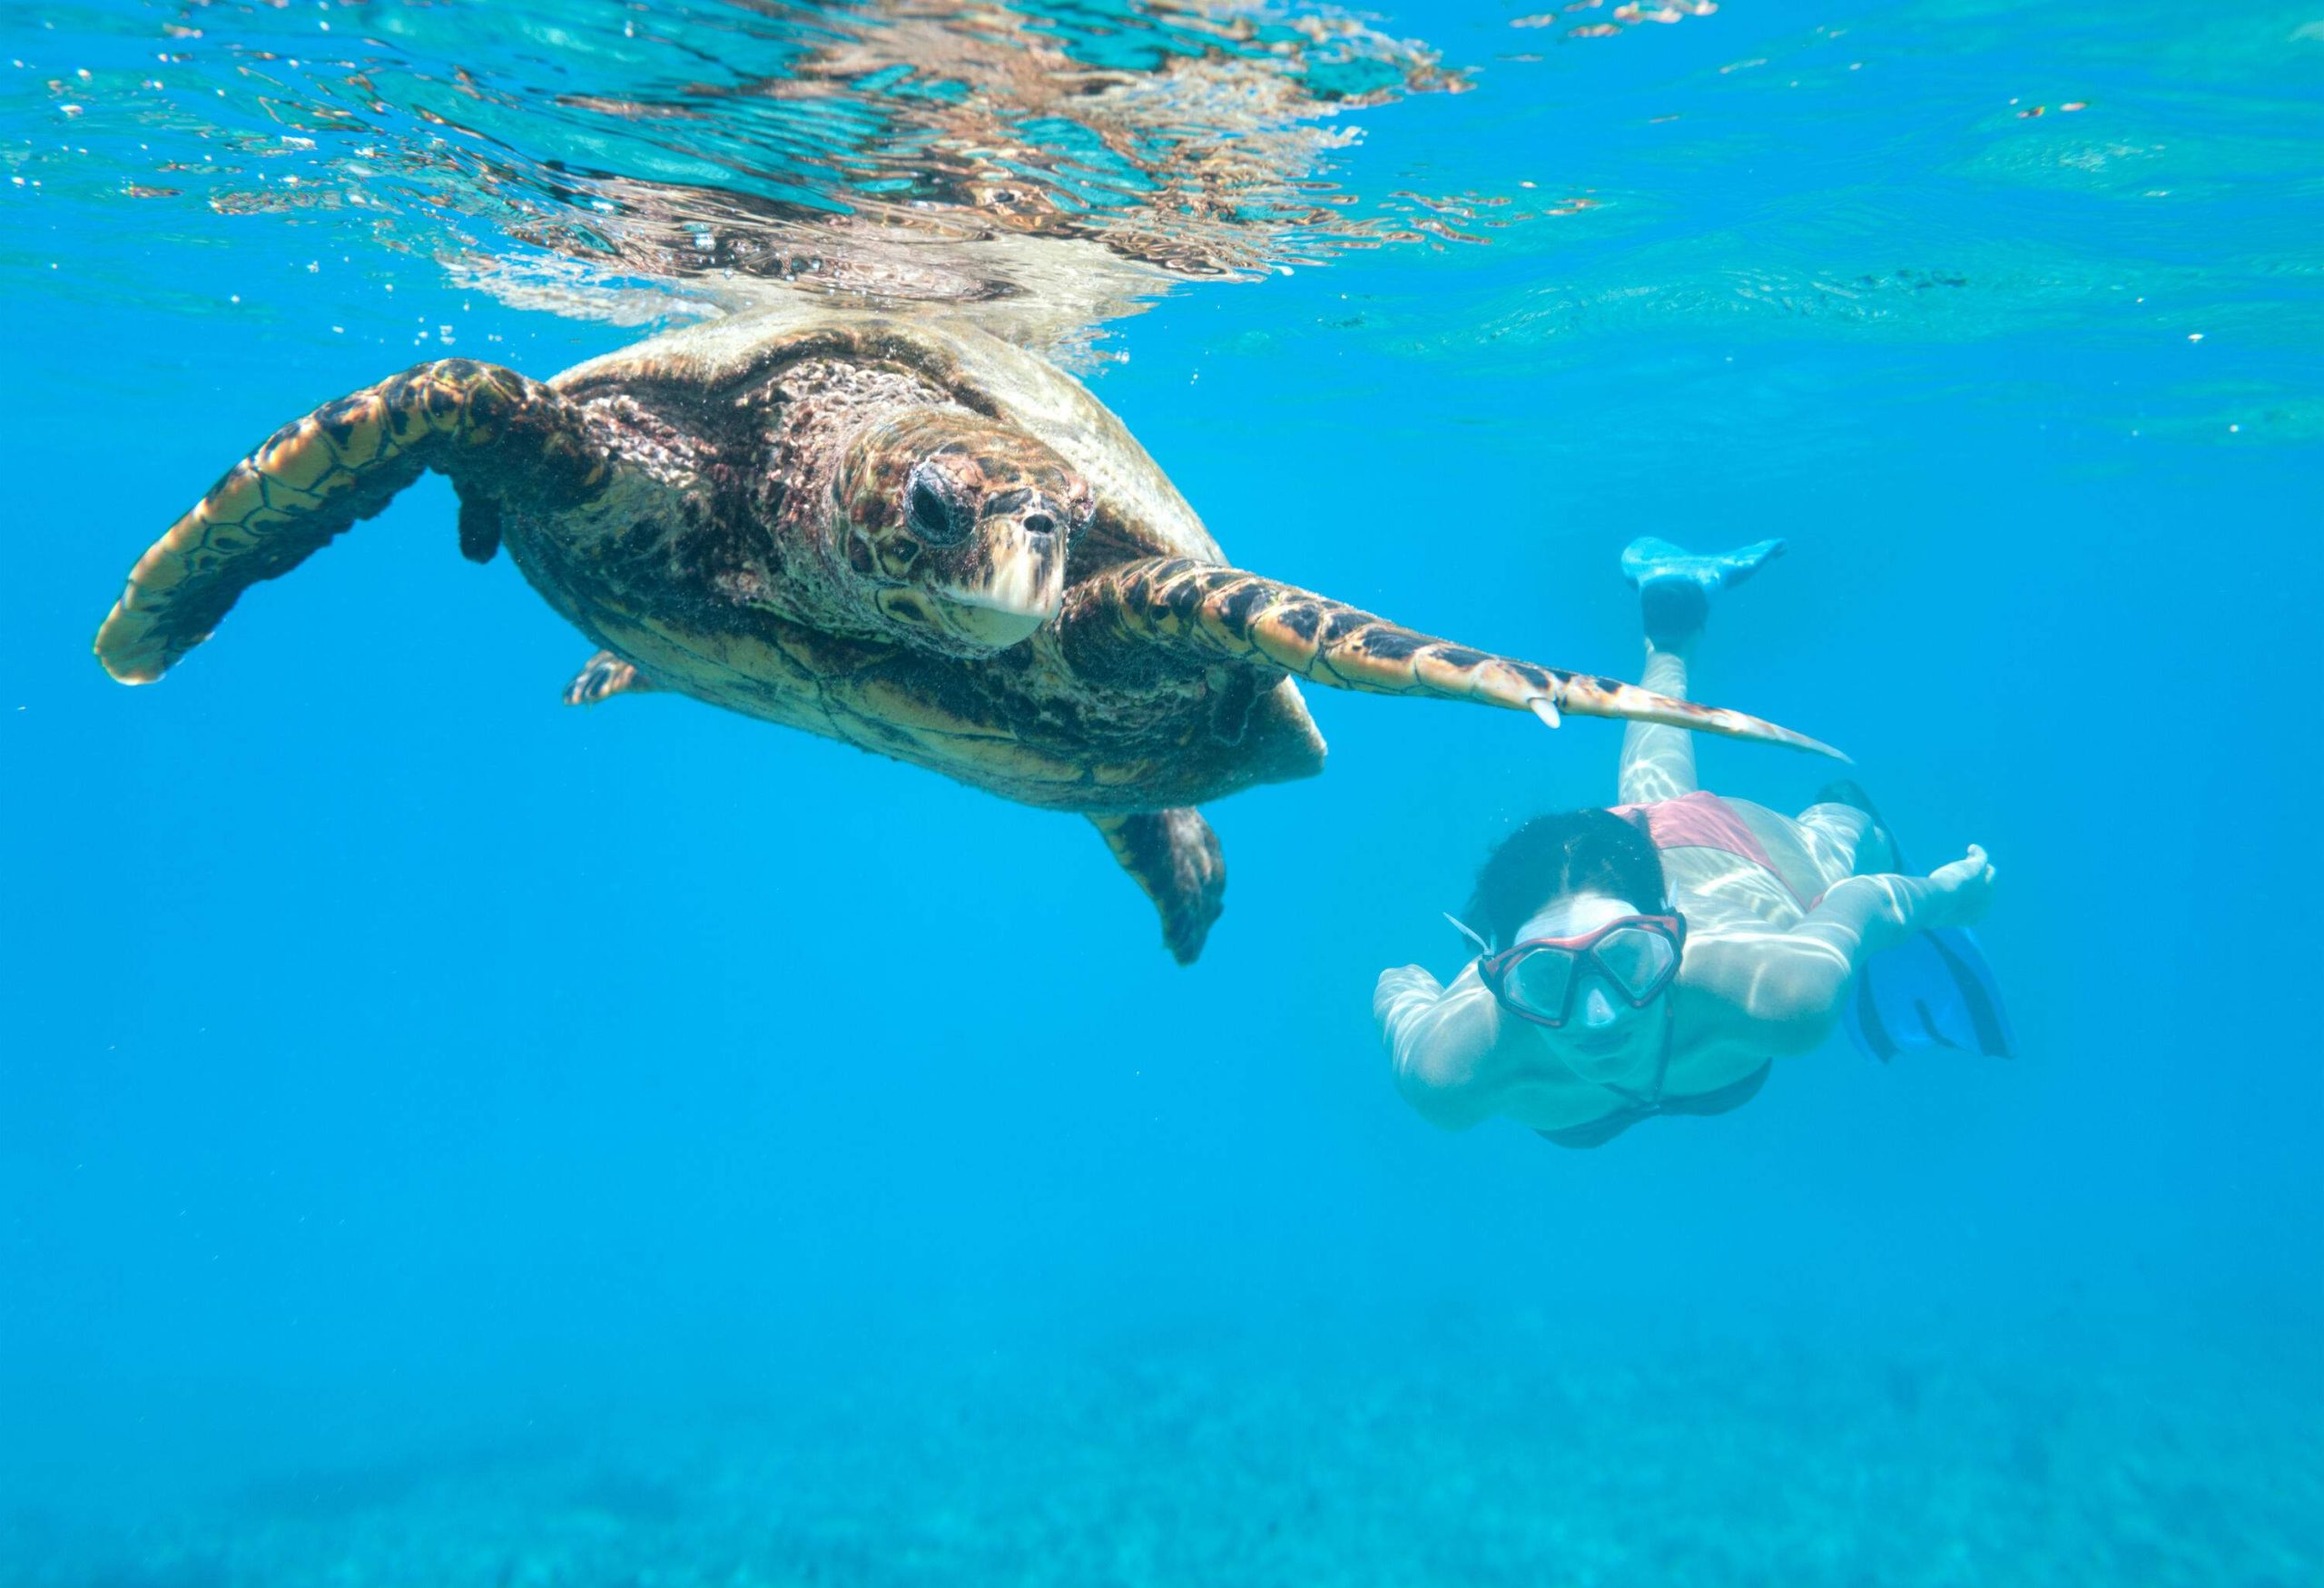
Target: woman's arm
<point x="1442" y="1041"/>
<point x="1782" y="989"/>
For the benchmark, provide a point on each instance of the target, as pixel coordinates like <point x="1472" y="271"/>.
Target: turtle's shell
<point x="1139" y="513"/>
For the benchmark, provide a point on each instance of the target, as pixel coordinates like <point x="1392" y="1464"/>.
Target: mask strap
<point x="1484" y="949"/>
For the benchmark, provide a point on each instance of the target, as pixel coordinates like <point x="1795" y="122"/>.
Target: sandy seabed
<point x="1460" y="1456"/>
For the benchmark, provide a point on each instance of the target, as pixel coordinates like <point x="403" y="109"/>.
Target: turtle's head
<point x="956" y="527"/>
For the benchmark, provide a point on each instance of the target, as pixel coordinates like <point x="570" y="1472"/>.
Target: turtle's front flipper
<point x="1172" y="855"/>
<point x="494" y="431"/>
<point x="603" y="677"/>
<point x="1217" y="613"/>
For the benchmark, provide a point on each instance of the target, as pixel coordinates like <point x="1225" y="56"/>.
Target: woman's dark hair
<point x="1571" y="852"/>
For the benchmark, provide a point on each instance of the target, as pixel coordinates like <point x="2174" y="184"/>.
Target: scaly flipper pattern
<point x="1228" y="613"/>
<point x="493" y="430"/>
<point x="1174" y="856"/>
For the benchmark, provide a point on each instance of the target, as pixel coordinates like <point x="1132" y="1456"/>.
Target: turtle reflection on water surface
<point x="905" y="534"/>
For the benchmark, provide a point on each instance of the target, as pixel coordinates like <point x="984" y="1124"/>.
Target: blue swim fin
<point x="1675" y="585"/>
<point x="1933" y="990"/>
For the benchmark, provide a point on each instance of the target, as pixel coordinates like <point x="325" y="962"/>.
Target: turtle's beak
<point x="1017" y="582"/>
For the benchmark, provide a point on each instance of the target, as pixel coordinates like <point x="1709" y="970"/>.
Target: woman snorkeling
<point x="1656" y="957"/>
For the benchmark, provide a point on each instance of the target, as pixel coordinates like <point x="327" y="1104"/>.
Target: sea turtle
<point x="903" y="533"/>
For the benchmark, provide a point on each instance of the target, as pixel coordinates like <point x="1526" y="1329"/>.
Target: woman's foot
<point x="1675" y="585"/>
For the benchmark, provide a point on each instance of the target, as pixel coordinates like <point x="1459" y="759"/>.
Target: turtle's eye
<point x="939" y="517"/>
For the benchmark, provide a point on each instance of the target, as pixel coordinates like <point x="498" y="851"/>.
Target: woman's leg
<point x="1841" y="841"/>
<point x="1674" y="588"/>
<point x="1844" y="835"/>
<point x="1658" y="762"/>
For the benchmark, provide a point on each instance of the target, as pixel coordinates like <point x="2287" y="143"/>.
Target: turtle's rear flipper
<point x="1207" y="613"/>
<point x="603" y="677"/>
<point x="494" y="431"/>
<point x="1174" y="855"/>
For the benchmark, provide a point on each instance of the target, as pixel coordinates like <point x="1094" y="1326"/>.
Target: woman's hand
<point x="1960" y="893"/>
<point x="1394" y="983"/>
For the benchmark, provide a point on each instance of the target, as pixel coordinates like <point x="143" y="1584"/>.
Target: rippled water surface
<point x="449" y="1139"/>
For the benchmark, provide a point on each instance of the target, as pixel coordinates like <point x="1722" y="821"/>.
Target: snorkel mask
<point x="1535" y="980"/>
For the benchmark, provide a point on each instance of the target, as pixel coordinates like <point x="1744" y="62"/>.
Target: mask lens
<point x="1541" y="982"/>
<point x="1638" y="960"/>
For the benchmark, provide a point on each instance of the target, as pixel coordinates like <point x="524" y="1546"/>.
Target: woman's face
<point x="1603" y="1040"/>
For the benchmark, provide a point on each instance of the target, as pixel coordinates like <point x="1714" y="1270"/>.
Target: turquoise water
<point x="449" y="1139"/>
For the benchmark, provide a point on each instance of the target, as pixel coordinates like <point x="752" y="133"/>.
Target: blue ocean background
<point x="449" y="1139"/>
